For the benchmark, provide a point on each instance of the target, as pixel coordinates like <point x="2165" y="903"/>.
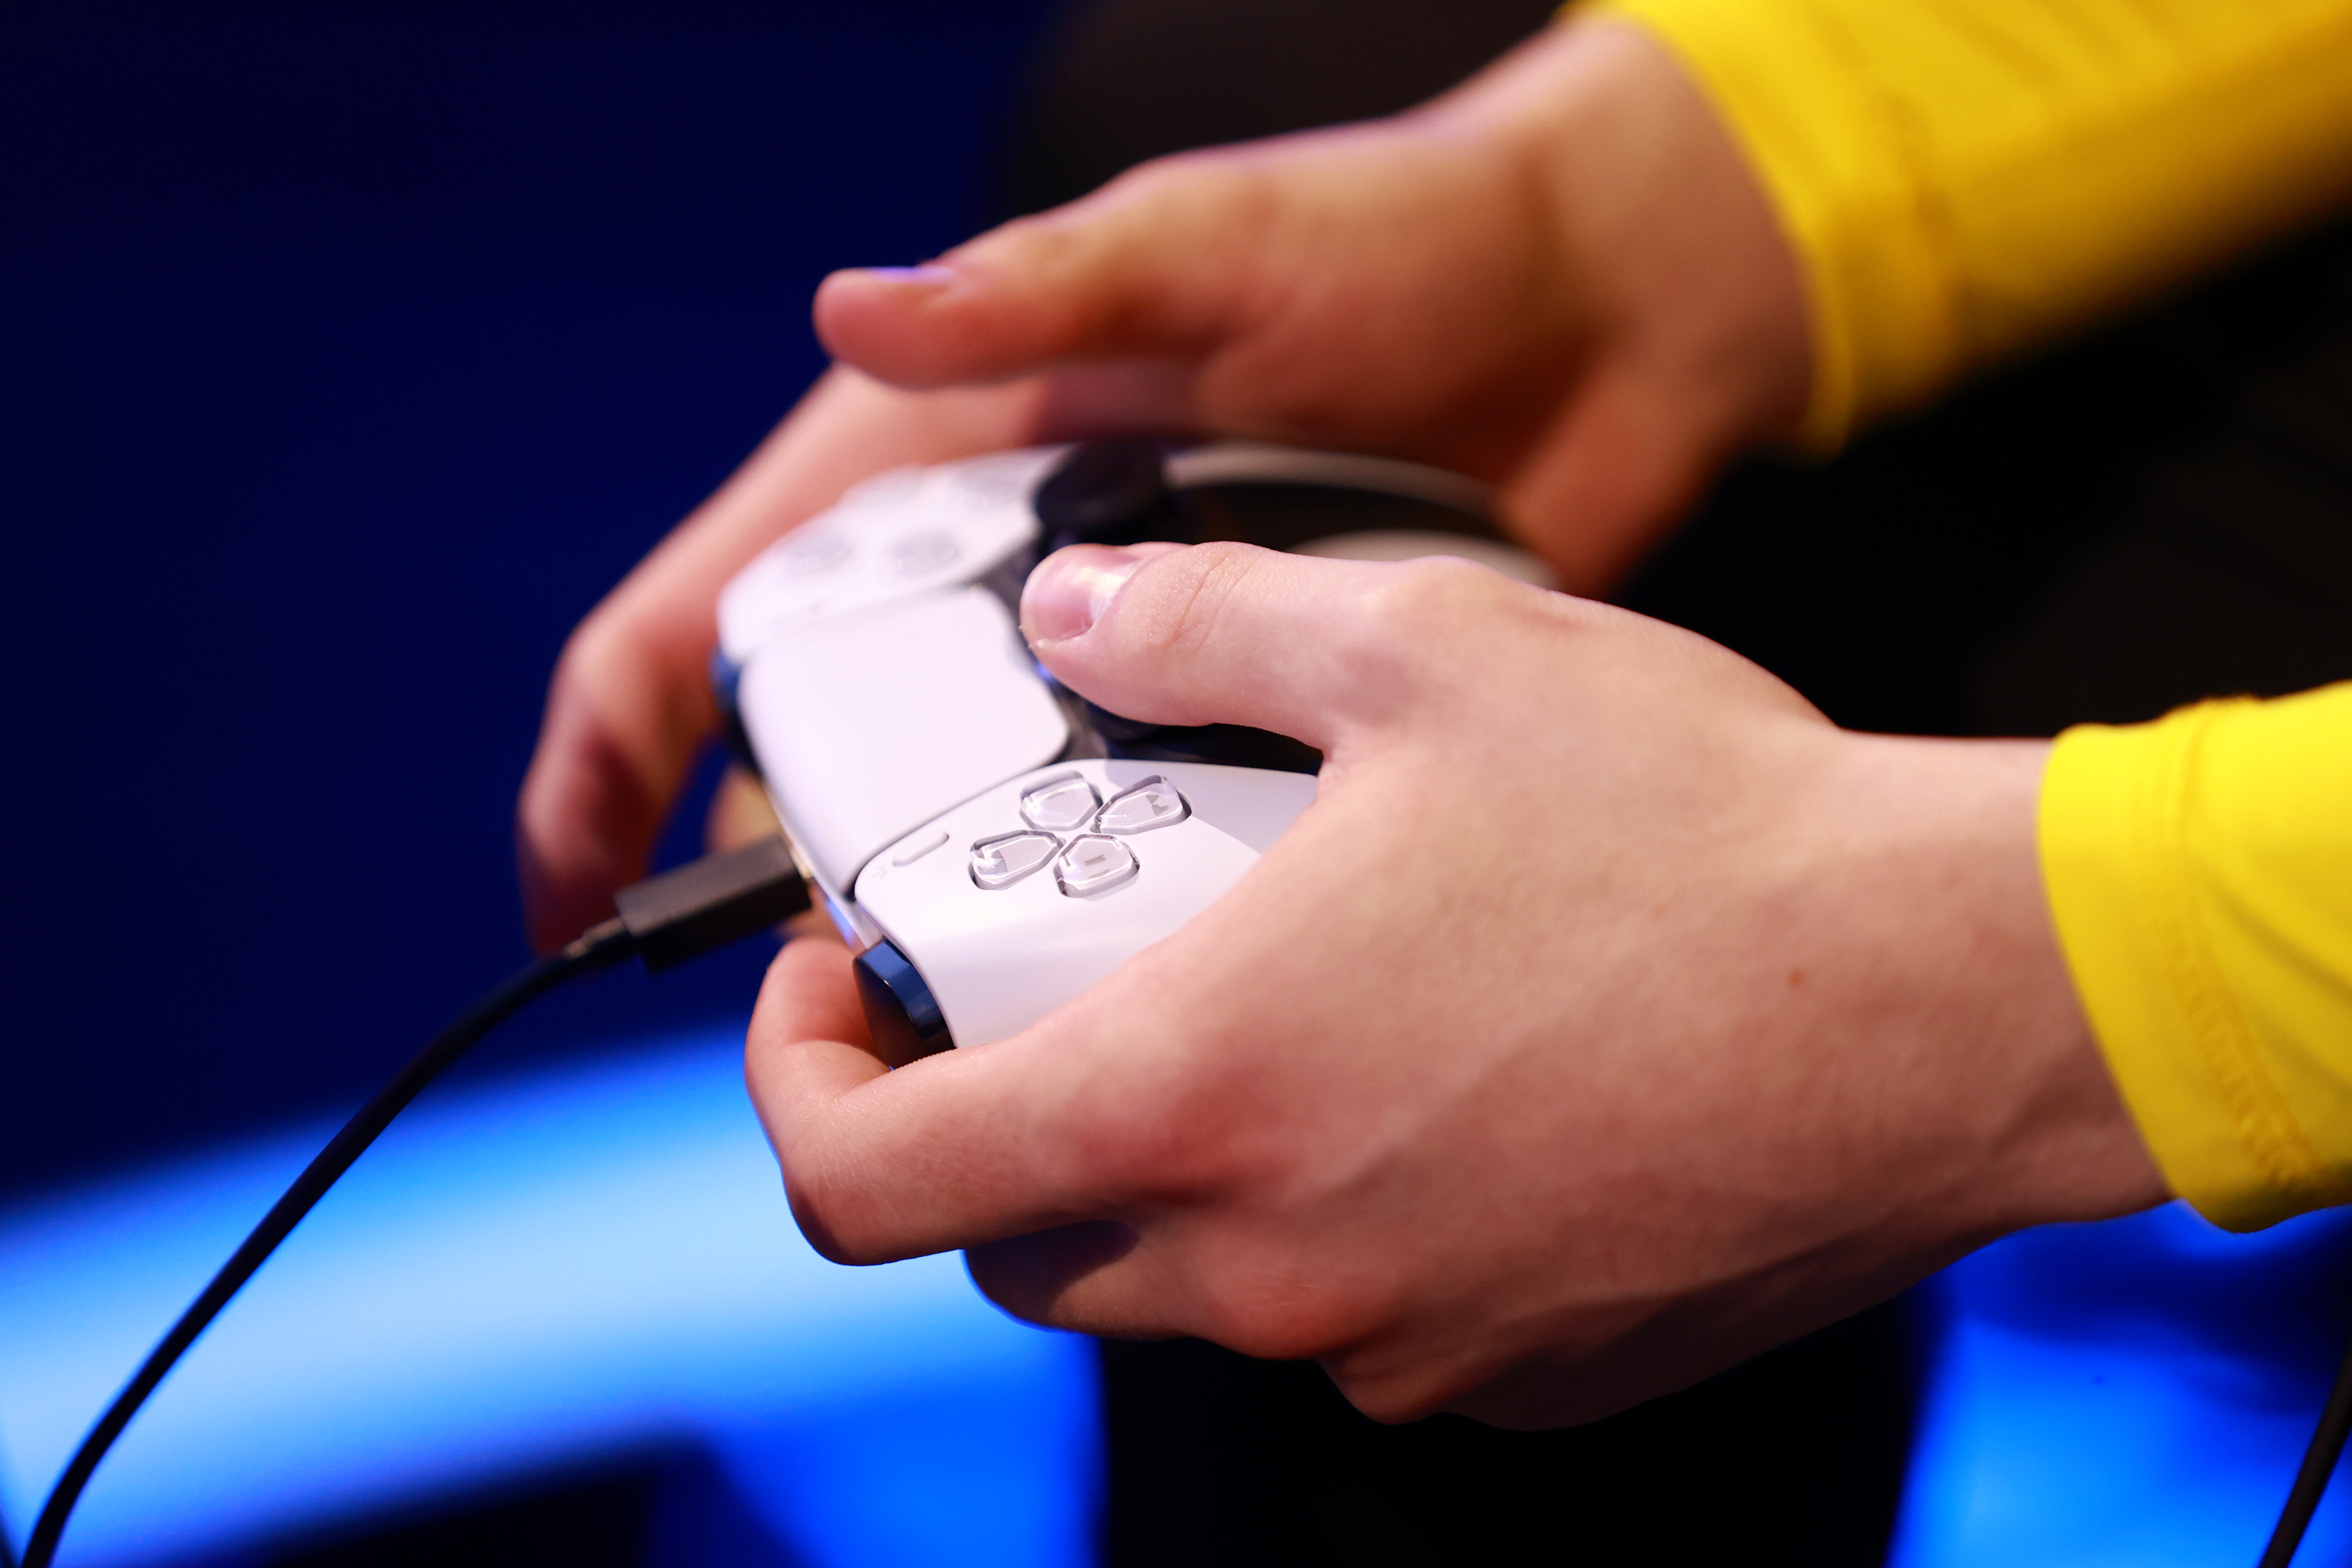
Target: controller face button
<point x="916" y="848"/>
<point x="1154" y="803"/>
<point x="1059" y="805"/>
<point x="817" y="554"/>
<point x="1092" y="863"/>
<point x="1001" y="861"/>
<point x="924" y="551"/>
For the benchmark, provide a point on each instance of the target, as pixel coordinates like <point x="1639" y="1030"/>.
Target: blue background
<point x="351" y="353"/>
<point x="348" y="355"/>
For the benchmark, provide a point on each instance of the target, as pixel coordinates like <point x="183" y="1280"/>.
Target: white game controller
<point x="988" y="843"/>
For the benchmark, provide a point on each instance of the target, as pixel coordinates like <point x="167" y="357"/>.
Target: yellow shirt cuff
<point x="1851" y="203"/>
<point x="1962" y="182"/>
<point x="2200" y="875"/>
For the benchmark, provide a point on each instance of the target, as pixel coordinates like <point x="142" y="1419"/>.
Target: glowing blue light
<point x="598" y="1260"/>
<point x="2135" y="1394"/>
<point x="587" y="1263"/>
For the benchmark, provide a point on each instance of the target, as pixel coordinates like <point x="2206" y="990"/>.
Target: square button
<point x="1001" y="861"/>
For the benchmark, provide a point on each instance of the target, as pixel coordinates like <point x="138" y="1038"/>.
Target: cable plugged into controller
<point x="663" y="922"/>
<point x="709" y="903"/>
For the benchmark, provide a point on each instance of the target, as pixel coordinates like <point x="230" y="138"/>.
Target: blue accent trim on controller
<point x="726" y="680"/>
<point x="892" y="969"/>
<point x="726" y="675"/>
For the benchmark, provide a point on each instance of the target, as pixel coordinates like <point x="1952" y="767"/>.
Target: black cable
<point x="2318" y="1464"/>
<point x="666" y="918"/>
<point x="607" y="944"/>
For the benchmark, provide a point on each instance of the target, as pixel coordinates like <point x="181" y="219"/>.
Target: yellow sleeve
<point x="2200" y="871"/>
<point x="1963" y="179"/>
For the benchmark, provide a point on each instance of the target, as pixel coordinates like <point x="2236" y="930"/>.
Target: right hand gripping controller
<point x="990" y="845"/>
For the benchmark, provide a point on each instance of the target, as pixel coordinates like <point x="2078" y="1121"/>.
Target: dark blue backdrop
<point x="350" y="354"/>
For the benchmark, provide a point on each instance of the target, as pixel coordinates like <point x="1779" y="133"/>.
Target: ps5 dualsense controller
<point x="988" y="843"/>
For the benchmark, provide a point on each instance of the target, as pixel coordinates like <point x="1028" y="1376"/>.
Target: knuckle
<point x="996" y="1274"/>
<point x="1262" y="1308"/>
<point x="1149" y="1156"/>
<point x="1213" y="207"/>
<point x="1390" y="1399"/>
<point x="620" y="672"/>
<point x="827" y="1214"/>
<point x="1017" y="238"/>
<point x="597" y="647"/>
<point x="1408" y="611"/>
<point x="1200" y="184"/>
<point x="815" y="1215"/>
<point x="1182" y="1139"/>
<point x="1434" y="591"/>
<point x="1280" y="1333"/>
<point x="1182" y="618"/>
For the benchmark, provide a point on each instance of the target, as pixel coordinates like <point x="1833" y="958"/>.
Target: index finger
<point x="630" y="704"/>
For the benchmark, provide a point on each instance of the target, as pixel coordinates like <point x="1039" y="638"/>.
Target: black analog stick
<point x="1106" y="492"/>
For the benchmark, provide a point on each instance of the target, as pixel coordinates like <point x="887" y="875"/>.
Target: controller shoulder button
<point x="1141" y="807"/>
<point x="1092" y="863"/>
<point x="1001" y="861"/>
<point x="1059" y="805"/>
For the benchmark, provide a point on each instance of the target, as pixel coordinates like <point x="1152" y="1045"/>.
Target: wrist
<point x="1654" y="212"/>
<point x="2017" y="1120"/>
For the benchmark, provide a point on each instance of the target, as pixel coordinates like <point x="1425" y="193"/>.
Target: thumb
<point x="1232" y="633"/>
<point x="1154" y="265"/>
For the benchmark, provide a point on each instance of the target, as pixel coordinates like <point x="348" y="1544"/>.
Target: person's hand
<point x="630" y="704"/>
<point x="1608" y="1017"/>
<point x="1559" y="277"/>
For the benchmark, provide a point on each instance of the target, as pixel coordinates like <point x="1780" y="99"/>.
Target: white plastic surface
<point x="997" y="961"/>
<point x="901" y="533"/>
<point x="867" y="725"/>
<point x="887" y="698"/>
